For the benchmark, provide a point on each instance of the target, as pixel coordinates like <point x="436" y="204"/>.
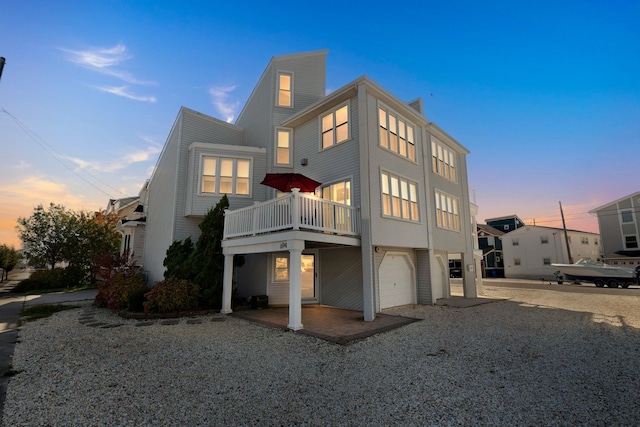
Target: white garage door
<point x="396" y="281"/>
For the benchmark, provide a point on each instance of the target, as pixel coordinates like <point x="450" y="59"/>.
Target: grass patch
<point x="42" y="311"/>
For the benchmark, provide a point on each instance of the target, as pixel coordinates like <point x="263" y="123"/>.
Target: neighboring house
<point x="505" y="223"/>
<point x="619" y="224"/>
<point x="392" y="205"/>
<point x="131" y="224"/>
<point x="529" y="251"/>
<point x="490" y="242"/>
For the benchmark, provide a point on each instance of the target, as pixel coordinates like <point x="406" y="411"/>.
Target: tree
<point x="56" y="235"/>
<point x="45" y="234"/>
<point x="204" y="264"/>
<point x="9" y="258"/>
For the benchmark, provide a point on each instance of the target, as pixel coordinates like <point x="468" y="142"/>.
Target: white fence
<point x="293" y="211"/>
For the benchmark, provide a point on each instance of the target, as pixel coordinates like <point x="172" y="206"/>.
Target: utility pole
<point x="1" y="66"/>
<point x="566" y="236"/>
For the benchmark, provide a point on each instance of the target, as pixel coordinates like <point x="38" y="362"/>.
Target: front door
<point x="308" y="265"/>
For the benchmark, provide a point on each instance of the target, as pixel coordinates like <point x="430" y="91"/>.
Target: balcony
<point x="294" y="211"/>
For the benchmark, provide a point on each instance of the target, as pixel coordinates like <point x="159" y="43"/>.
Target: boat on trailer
<point x="600" y="274"/>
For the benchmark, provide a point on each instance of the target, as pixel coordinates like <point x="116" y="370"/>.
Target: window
<point x="627" y="216"/>
<point x="584" y="240"/>
<point x="223" y="175"/>
<point x="447" y="214"/>
<point x="443" y="160"/>
<point x="630" y="242"/>
<point x="516" y="261"/>
<point x="515" y="242"/>
<point x="335" y="127"/>
<point x="396" y="134"/>
<point x="280" y="269"/>
<point x="544" y="239"/>
<point x="285" y="88"/>
<point x="399" y="197"/>
<point x="546" y="261"/>
<point x="339" y="192"/>
<point x="283" y="147"/>
<point x="595" y="241"/>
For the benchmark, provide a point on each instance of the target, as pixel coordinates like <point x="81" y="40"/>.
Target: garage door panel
<point x="396" y="281"/>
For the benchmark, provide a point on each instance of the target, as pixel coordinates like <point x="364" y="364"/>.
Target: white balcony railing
<point x="293" y="211"/>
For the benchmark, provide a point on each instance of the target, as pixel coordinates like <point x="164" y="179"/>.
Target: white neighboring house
<point x="529" y="251"/>
<point x="392" y="205"/>
<point x="131" y="224"/>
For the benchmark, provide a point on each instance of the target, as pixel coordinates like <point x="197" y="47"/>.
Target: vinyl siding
<point x="161" y="206"/>
<point x="341" y="278"/>
<point x="423" y="277"/>
<point x="385" y="230"/>
<point x="330" y="165"/>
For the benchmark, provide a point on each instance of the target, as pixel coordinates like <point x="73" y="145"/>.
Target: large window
<point x="443" y="160"/>
<point x="399" y="197"/>
<point x="283" y="147"/>
<point x="335" y="126"/>
<point x="447" y="213"/>
<point x="285" y="89"/>
<point x="224" y="175"/>
<point x="339" y="192"/>
<point x="396" y="133"/>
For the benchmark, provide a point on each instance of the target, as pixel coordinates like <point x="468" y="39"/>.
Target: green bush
<point x="171" y="296"/>
<point x="42" y="280"/>
<point x="123" y="290"/>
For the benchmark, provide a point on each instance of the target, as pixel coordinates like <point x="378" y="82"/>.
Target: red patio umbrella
<point x="286" y="181"/>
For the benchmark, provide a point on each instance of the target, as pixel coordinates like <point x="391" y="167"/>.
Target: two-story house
<point x="131" y="224"/>
<point x="529" y="251"/>
<point x="490" y="242"/>
<point x="619" y="224"/>
<point x="392" y="203"/>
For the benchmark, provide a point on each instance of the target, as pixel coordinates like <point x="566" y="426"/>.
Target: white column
<point x="295" y="284"/>
<point x="227" y="284"/>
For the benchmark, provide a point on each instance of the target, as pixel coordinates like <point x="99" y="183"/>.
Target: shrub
<point x="42" y="280"/>
<point x="125" y="289"/>
<point x="172" y="295"/>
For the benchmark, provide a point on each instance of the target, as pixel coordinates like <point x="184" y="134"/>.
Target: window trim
<point x="333" y="128"/>
<point x="440" y="213"/>
<point x="276" y="143"/>
<point x="407" y="129"/>
<point x="444" y="160"/>
<point x="234" y="176"/>
<point x="274" y="258"/>
<point x="625" y="212"/>
<point x="626" y="242"/>
<point x="291" y="79"/>
<point x="407" y="207"/>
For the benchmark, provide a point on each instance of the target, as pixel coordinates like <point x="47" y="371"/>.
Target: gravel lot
<point x="545" y="356"/>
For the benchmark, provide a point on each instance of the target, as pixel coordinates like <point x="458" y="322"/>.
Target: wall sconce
<point x="304" y="162"/>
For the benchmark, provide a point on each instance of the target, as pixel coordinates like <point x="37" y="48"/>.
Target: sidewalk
<point x="10" y="307"/>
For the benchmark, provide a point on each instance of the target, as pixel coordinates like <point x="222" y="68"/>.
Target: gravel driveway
<point x="542" y="357"/>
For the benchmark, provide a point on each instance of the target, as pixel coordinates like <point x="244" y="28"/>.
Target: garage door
<point x="396" y="281"/>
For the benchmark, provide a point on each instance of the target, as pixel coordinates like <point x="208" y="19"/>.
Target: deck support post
<point x="295" y="284"/>
<point x="227" y="284"/>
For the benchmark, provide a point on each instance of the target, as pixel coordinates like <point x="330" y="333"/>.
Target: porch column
<point x="227" y="284"/>
<point x="295" y="284"/>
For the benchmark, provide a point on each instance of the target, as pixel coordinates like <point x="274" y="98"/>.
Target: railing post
<point x="295" y="208"/>
<point x="255" y="215"/>
<point x="226" y="224"/>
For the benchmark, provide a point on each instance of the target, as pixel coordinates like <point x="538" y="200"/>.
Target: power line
<point x="58" y="156"/>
